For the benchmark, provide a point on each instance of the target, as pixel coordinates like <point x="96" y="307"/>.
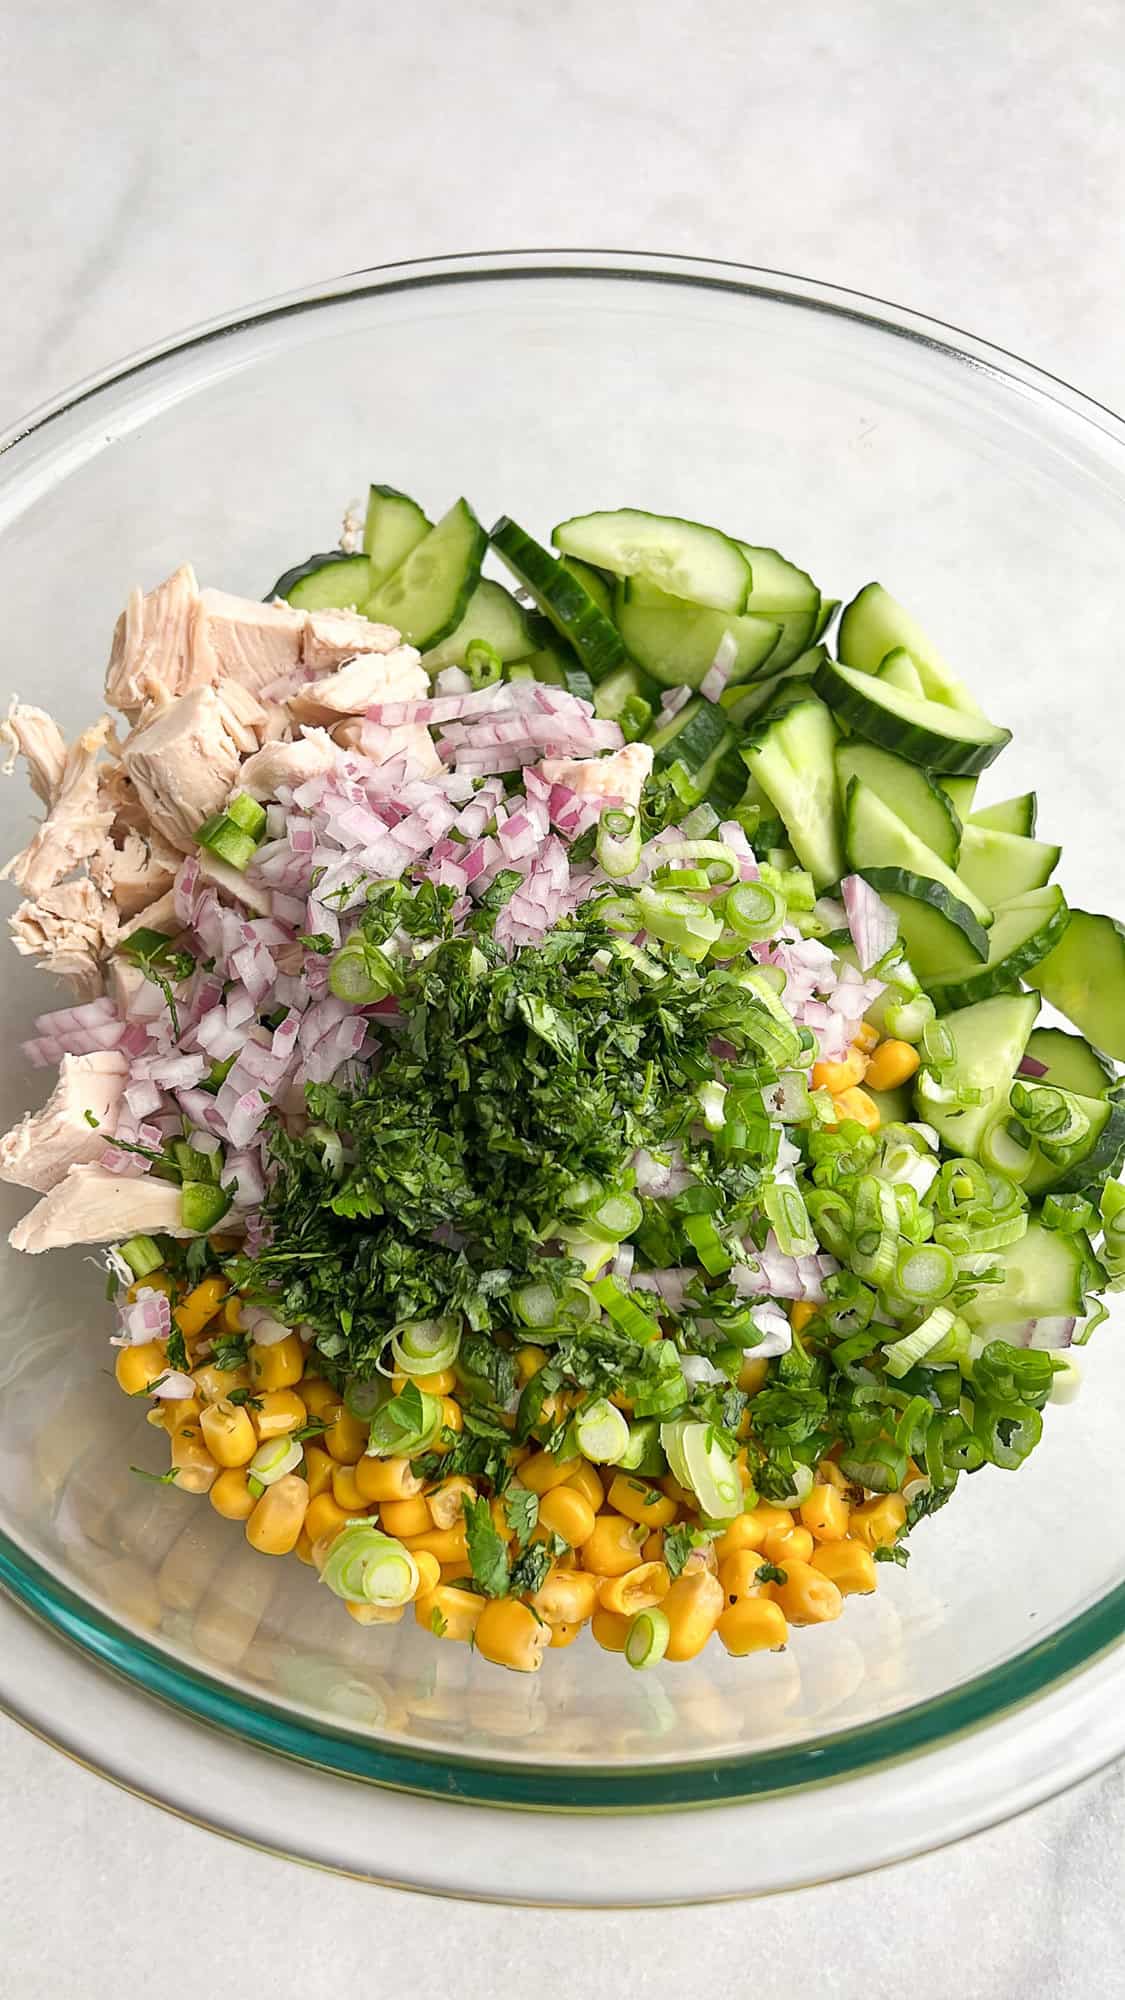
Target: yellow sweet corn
<point x="893" y="1063"/>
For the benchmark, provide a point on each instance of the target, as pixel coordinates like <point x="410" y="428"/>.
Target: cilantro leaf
<point x="488" y="1555"/>
<point x="176" y="1349"/>
<point x="521" y="1510"/>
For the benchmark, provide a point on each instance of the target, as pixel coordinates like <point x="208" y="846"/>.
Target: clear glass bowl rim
<point x="1034" y="1673"/>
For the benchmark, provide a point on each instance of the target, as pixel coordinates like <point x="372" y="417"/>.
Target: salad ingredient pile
<point x="557" y="1073"/>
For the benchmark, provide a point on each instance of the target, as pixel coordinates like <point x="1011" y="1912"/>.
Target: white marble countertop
<point x="163" y="164"/>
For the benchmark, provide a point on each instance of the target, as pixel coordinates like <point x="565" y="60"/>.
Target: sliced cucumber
<point x="786" y="595"/>
<point x="676" y="642"/>
<point x="1084" y="977"/>
<point x="1010" y="815"/>
<point x="682" y="557"/>
<point x="1023" y="931"/>
<point x="1071" y="1063"/>
<point x="692" y="737"/>
<point x="989" y="1039"/>
<point x="909" y="791"/>
<point x="593" y="581"/>
<point x="331" y="582"/>
<point x="875" y="624"/>
<point x="877" y="838"/>
<point x="552" y="663"/>
<point x="960" y="792"/>
<point x="1045" y="1277"/>
<point x="792" y="758"/>
<point x="491" y="615"/>
<point x="1001" y="866"/>
<point x="395" y="524"/>
<point x="1095" y="1159"/>
<point x="899" y="669"/>
<point x="427" y="596"/>
<point x="895" y="1107"/>
<point x="934" y="925"/>
<point x="562" y="598"/>
<point x="743" y="703"/>
<point x="829" y="606"/>
<point x="924" y="732"/>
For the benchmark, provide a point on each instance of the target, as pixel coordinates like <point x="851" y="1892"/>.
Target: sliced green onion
<point x="1054" y="1117"/>
<point x="364" y="1395"/>
<point x="482" y="663"/>
<point x="536" y="1305"/>
<point x="1068" y="1213"/>
<point x="979" y="1232"/>
<point x="800" y="1486"/>
<point x="619" y="841"/>
<point x="753" y="910"/>
<point x="361" y="973"/>
<point x="405" y="1426"/>
<point x="644" y="1452"/>
<point x="903" y="1355"/>
<point x="708" y="1245"/>
<point x="619" y="913"/>
<point x="202" y="1205"/>
<point x="142" y="1255"/>
<point x="617" y="1216"/>
<point x="273" y="1460"/>
<point x="794" y="885"/>
<point x="925" y="1273"/>
<point x="365" y="1566"/>
<point x="222" y="836"/>
<point x="1007" y="1433"/>
<point x="601" y="1432"/>
<point x="1007" y="1147"/>
<point x="907" y="1020"/>
<point x="880" y="1466"/>
<point x="712" y="1100"/>
<point x="681" y="878"/>
<point x="875" y="1240"/>
<point x="248" y="814"/>
<point x="699" y="1462"/>
<point x="646" y="1641"/>
<point x="624" y="1311"/>
<point x="425" y="1346"/>
<point x="634" y="718"/>
<point x="789" y="1217"/>
<point x="937" y="1046"/>
<point x="677" y="919"/>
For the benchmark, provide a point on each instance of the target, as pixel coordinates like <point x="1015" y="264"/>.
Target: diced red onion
<point x="1030" y="1066"/>
<point x="873" y="926"/>
<point x="720" y="669"/>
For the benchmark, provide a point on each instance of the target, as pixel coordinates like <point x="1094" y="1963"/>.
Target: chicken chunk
<point x="620" y="776"/>
<point x="43" y="1147"/>
<point x="161" y="915"/>
<point x="35" y="736"/>
<point x="76" y="824"/>
<point x="92" y="1205"/>
<point x="331" y="637"/>
<point x="184" y="763"/>
<point x="153" y="642"/>
<point x="235" y="639"/>
<point x="373" y="677"/>
<point x="70" y="929"/>
<point x="287" y="764"/>
<point x="380" y="743"/>
<point x="136" y="871"/>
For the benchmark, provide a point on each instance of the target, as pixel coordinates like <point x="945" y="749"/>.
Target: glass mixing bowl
<point x="862" y="440"/>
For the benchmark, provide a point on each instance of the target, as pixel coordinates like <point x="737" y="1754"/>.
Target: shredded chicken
<point x="35" y="736"/>
<point x="286" y="764"/>
<point x="620" y="776"/>
<point x="134" y="871"/>
<point x="331" y="637"/>
<point x="185" y="762"/>
<point x="234" y="639"/>
<point x="372" y="677"/>
<point x="70" y="928"/>
<point x="152" y="642"/>
<point x="76" y="824"/>
<point x="73" y="1126"/>
<point x="92" y="1205"/>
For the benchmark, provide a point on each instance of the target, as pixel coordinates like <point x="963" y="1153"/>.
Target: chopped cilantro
<point x="521" y="1510"/>
<point x="177" y="1349"/>
<point x="488" y="1554"/>
<point x="771" y="1573"/>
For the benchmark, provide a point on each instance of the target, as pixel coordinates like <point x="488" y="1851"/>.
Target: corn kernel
<point x="279" y="1516"/>
<point x="850" y="1566"/>
<point x="614" y="1546"/>
<point x="568" y="1597"/>
<point x="752" y="1374"/>
<point x="752" y="1625"/>
<point x="640" y="1502"/>
<point x="543" y="1471"/>
<point x="610" y="1630"/>
<point x="838" y="1076"/>
<point x="857" y="1105"/>
<point x="637" y="1590"/>
<point x="826" y="1513"/>
<point x="529" y="1360"/>
<point x="749" y="1530"/>
<point x="382" y="1479"/>
<point x="346" y="1438"/>
<point x="447" y="1544"/>
<point x="319" y="1469"/>
<point x="693" y="1608"/>
<point x="429" y="1572"/>
<point x="585" y="1479"/>
<point x="403" y="1518"/>
<point x="320" y="1398"/>
<point x="200" y="1306"/>
<point x="510" y="1635"/>
<point x="230" y="1496"/>
<point x="866" y="1037"/>
<point x="324" y="1519"/>
<point x="447" y="1501"/>
<point x="279" y="1411"/>
<point x="567" y="1513"/>
<point x="228" y="1433"/>
<point x="739" y="1577"/>
<point x="345" y="1492"/>
<point x="279" y="1366"/>
<point x="214" y="1385"/>
<point x="196" y="1470"/>
<point x="449" y="1613"/>
<point x="878" y="1522"/>
<point x="136" y="1367"/>
<point x="808" y="1596"/>
<point x="800" y="1313"/>
<point x="783" y="1545"/>
<point x="893" y="1064"/>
